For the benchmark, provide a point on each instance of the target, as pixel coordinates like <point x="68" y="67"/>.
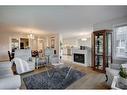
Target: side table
<point x="39" y="62"/>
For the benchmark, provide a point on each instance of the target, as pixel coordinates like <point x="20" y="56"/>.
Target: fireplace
<point x="79" y="58"/>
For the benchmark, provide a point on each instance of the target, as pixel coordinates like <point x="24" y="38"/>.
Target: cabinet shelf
<point x="99" y="55"/>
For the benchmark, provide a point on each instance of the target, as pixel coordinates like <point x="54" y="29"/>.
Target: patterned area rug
<point x="56" y="80"/>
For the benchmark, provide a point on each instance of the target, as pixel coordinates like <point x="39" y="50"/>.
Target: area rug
<point x="56" y="80"/>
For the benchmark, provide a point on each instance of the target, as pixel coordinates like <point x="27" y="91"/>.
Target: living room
<point x="62" y="47"/>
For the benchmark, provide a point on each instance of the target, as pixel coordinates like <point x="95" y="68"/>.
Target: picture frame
<point x="52" y="42"/>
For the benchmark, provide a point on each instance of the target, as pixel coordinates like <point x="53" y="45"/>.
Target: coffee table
<point x="60" y="65"/>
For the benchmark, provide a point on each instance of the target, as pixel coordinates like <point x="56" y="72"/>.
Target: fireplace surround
<point x="79" y="58"/>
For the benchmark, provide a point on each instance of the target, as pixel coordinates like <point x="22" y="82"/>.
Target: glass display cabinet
<point x="102" y="49"/>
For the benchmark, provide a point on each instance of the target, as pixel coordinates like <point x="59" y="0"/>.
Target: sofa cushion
<point x="114" y="72"/>
<point x="6" y="72"/>
<point x="12" y="82"/>
<point x="7" y="79"/>
<point x="5" y="69"/>
<point x="31" y="65"/>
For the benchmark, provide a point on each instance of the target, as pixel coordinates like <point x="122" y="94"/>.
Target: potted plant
<point x="123" y="75"/>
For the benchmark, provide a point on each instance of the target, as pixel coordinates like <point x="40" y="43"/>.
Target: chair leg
<point x="106" y="78"/>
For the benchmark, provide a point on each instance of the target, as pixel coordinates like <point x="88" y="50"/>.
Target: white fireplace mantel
<point x="87" y="57"/>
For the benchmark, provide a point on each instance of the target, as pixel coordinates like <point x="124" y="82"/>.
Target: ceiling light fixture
<point x="31" y="36"/>
<point x="83" y="39"/>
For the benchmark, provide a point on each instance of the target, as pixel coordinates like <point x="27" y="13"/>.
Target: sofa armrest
<point x="115" y="66"/>
<point x="12" y="82"/>
<point x="110" y="73"/>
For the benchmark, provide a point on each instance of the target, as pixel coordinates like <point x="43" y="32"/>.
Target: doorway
<point x="24" y="43"/>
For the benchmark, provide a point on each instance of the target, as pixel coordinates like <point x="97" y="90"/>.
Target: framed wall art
<point x="52" y="42"/>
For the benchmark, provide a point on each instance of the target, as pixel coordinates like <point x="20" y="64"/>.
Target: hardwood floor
<point x="92" y="79"/>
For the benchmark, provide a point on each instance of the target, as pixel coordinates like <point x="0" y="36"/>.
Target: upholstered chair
<point x="26" y="57"/>
<point x="51" y="57"/>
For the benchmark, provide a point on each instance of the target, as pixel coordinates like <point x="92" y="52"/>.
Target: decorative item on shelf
<point x="35" y="53"/>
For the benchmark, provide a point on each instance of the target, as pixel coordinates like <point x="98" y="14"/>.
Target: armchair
<point x="51" y="57"/>
<point x="7" y="79"/>
<point x="54" y="59"/>
<point x="24" y="58"/>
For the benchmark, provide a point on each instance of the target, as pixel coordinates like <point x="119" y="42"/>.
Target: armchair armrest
<point x="12" y="82"/>
<point x="33" y="59"/>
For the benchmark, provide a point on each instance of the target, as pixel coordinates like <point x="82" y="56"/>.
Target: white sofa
<point x="25" y="55"/>
<point x="112" y="71"/>
<point x="7" y="79"/>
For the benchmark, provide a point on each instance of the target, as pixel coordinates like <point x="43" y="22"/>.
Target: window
<point x="121" y="41"/>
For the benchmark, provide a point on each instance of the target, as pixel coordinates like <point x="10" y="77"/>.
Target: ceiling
<point x="67" y="20"/>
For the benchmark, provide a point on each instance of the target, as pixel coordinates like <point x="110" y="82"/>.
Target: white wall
<point x="5" y="42"/>
<point x="84" y="43"/>
<point x="77" y="42"/>
<point x="70" y="42"/>
<point x="110" y="25"/>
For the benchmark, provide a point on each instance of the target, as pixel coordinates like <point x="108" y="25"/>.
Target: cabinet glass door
<point x="102" y="51"/>
<point x="108" y="50"/>
<point x="99" y="51"/>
